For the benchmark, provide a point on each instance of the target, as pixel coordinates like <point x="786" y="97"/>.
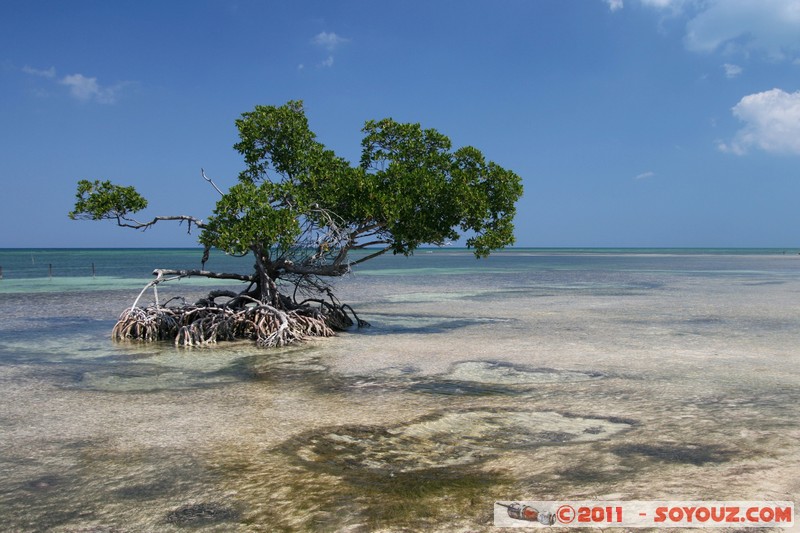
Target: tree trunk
<point x="266" y="285"/>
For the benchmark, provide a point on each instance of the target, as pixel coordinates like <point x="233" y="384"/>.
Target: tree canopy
<point x="300" y="209"/>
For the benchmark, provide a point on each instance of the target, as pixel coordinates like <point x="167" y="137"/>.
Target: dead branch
<point x="203" y="173"/>
<point x="161" y="272"/>
<point x="127" y="222"/>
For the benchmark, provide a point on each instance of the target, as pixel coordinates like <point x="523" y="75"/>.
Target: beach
<point x="533" y="375"/>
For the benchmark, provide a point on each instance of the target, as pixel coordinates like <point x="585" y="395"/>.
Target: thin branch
<point x="161" y="272"/>
<point x="364" y="230"/>
<point x="135" y="224"/>
<point x="203" y="173"/>
<point x="313" y="270"/>
<point x="371" y="256"/>
<point x="371" y="243"/>
<point x="373" y="233"/>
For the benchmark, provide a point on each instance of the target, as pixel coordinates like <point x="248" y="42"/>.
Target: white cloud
<point x="768" y="26"/>
<point x="85" y="89"/>
<point x="80" y="87"/>
<point x="645" y="175"/>
<point x="671" y="8"/>
<point x="732" y="71"/>
<point x="675" y="5"/>
<point x="328" y="40"/>
<point x="47" y="73"/>
<point x="771" y="27"/>
<point x="614" y="5"/>
<point x="772" y="123"/>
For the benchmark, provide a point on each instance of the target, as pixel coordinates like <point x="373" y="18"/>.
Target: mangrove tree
<point x="301" y="211"/>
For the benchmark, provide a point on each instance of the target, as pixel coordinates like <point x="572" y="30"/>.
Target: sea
<point x="536" y="374"/>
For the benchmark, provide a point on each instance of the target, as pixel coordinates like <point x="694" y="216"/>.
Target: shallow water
<point x="535" y="376"/>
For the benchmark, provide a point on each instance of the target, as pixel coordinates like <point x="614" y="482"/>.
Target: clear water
<point x="535" y="374"/>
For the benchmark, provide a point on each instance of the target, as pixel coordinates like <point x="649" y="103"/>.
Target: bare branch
<point x="371" y="256"/>
<point x="203" y="173"/>
<point x="370" y="243"/>
<point x="126" y="222"/>
<point x="161" y="272"/>
<point x="314" y="270"/>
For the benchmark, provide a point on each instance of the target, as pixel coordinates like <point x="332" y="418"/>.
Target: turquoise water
<point x="536" y="374"/>
<point x="106" y="269"/>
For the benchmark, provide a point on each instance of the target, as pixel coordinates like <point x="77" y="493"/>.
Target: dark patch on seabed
<point x="406" y="476"/>
<point x="694" y="454"/>
<point x="387" y="324"/>
<point x="91" y="484"/>
<point x="444" y="441"/>
<point x="144" y="491"/>
<point x="43" y="483"/>
<point x="589" y="473"/>
<point x="466" y="378"/>
<point x="201" y="514"/>
<point x="138" y="378"/>
<point x="460" y="388"/>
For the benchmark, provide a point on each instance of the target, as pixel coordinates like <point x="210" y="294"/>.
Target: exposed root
<point x="191" y="325"/>
<point x="242" y="316"/>
<point x="336" y="314"/>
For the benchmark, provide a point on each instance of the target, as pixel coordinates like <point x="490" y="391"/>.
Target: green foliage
<point x="98" y="200"/>
<point x="427" y="193"/>
<point x="410" y="188"/>
<point x="275" y="139"/>
<point x="294" y="195"/>
<point x="250" y="216"/>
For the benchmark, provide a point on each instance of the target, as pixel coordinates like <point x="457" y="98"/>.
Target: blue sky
<point x="632" y="122"/>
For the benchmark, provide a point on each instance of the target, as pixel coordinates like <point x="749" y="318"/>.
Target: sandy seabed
<point x="466" y="390"/>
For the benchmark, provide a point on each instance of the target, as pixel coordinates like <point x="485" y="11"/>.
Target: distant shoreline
<point x="671" y="250"/>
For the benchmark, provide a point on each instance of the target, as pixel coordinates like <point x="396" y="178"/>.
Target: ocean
<point x="535" y="374"/>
